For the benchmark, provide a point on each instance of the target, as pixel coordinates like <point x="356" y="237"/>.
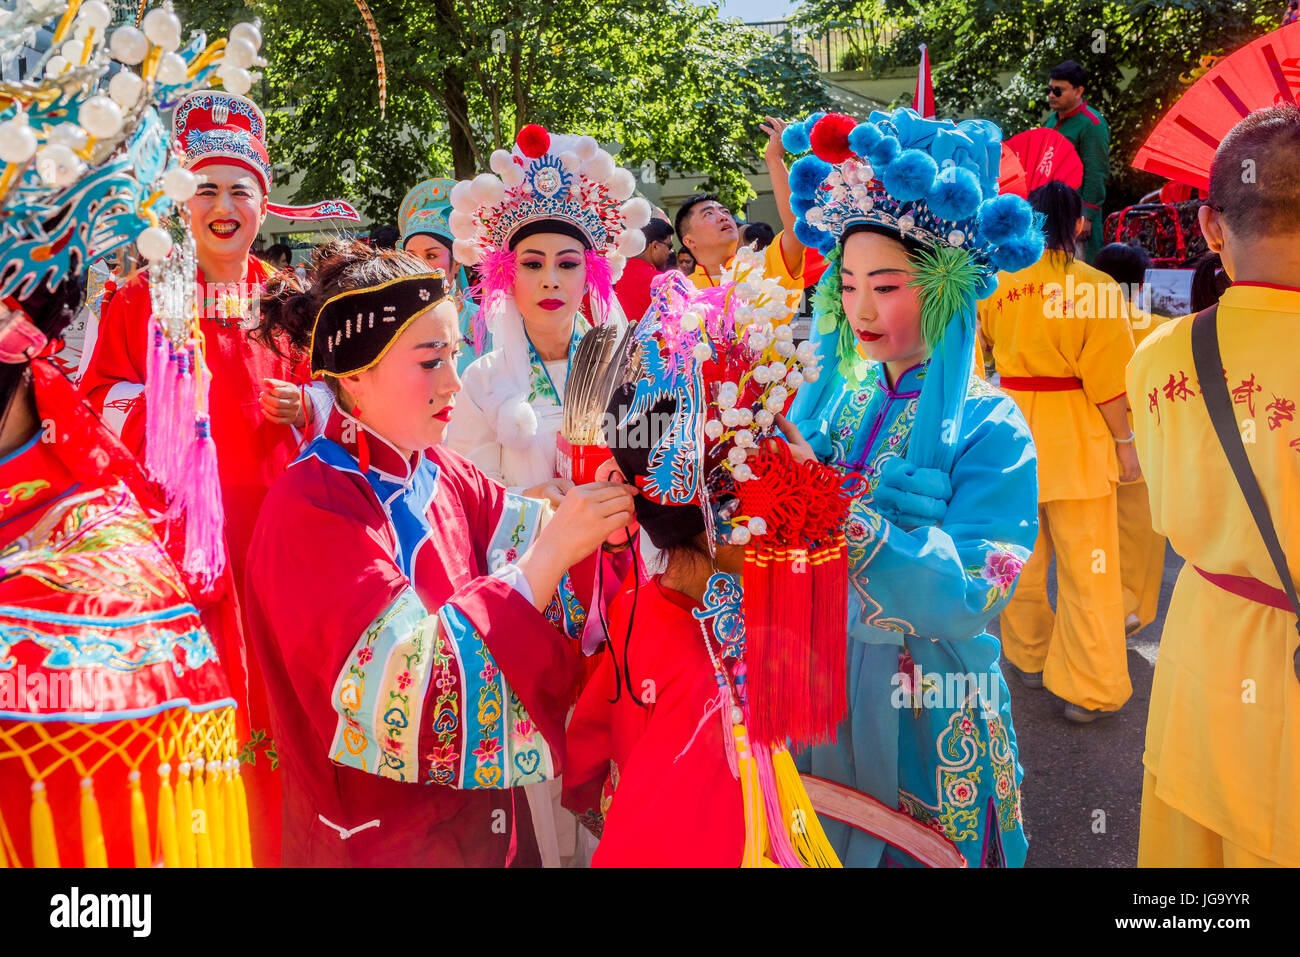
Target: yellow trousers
<point x="1141" y="553"/>
<point x="1080" y="649"/>
<point x="1169" y="838"/>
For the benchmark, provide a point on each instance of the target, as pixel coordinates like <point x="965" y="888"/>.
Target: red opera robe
<point x="411" y="691"/>
<point x="104" y="654"/>
<point x="251" y="454"/>
<point x="659" y="809"/>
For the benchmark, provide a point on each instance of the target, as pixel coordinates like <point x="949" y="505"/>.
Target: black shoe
<point x="1084" y="715"/>
<point x="1030" y="679"/>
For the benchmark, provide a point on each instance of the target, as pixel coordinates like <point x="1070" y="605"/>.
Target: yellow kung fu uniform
<point x="1222" y="758"/>
<point x="1060" y="340"/>
<point x="774" y="267"/>
<point x="1141" y="548"/>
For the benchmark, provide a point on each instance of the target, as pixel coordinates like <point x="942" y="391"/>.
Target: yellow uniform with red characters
<point x="1141" y="548"/>
<point x="1222" y="756"/>
<point x="1060" y="340"/>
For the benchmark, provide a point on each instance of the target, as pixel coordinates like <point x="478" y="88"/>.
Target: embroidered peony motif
<point x="1001" y="567"/>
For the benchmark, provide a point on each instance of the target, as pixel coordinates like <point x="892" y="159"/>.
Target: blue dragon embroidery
<point x="724" y="611"/>
<point x="672" y="473"/>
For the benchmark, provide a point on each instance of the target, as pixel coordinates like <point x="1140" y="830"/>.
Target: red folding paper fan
<point x="1263" y="73"/>
<point x="1012" y="177"/>
<point x="1046" y="155"/>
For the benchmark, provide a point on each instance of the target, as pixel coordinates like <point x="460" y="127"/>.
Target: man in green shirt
<point x="1087" y="131"/>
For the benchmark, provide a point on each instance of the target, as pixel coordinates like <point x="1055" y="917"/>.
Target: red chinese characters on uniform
<point x="1178" y="389"/>
<point x="1244" y="394"/>
<point x="1279" y="410"/>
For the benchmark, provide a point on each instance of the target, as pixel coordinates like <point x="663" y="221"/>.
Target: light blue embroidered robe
<point x="929" y="593"/>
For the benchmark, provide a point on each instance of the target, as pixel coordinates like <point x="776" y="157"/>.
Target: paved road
<point x="1072" y="772"/>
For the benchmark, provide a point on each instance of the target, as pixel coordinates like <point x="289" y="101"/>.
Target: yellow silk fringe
<point x="93" y="852"/>
<point x="752" y="798"/>
<point x="805" y="828"/>
<point x="198" y="823"/>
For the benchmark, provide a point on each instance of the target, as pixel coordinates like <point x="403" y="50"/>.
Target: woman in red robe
<point x="404" y="605"/>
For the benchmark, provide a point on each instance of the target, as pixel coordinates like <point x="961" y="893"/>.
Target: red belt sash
<point x="1249" y="588"/>
<point x="1040" y="383"/>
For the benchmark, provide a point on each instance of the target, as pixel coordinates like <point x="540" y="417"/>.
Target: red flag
<point x="923" y="100"/>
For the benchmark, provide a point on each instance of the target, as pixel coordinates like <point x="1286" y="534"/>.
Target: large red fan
<point x="1046" y="155"/>
<point x="1263" y="73"/>
<point x="1012" y="177"/>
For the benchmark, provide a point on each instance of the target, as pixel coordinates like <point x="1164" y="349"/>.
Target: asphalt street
<point x="1083" y="783"/>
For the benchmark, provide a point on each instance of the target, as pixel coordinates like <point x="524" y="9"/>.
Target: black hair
<point x="1253" y="180"/>
<point x="51" y="313"/>
<point x="761" y="233"/>
<point x="289" y="306"/>
<point x="1124" y="262"/>
<point x="657" y="231"/>
<point x="279" y="250"/>
<point x="1208" y="281"/>
<point x="1071" y="71"/>
<point x="684" y="214"/>
<point x="1061" y="208"/>
<point x="385" y="237"/>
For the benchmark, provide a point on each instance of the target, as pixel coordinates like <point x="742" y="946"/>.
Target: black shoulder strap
<point x="1214" y="391"/>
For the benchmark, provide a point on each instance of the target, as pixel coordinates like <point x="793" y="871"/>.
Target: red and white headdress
<point x="214" y="126"/>
<point x="566" y="182"/>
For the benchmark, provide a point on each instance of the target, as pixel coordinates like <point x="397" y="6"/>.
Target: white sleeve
<point x="470" y="431"/>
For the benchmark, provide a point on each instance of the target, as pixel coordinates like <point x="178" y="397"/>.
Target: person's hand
<point x="800" y="450"/>
<point x="282" y="403"/>
<point x="1084" y="229"/>
<point x="588" y="516"/>
<point x="773" y="127"/>
<point x="1130" y="469"/>
<point x="553" y="491"/>
<point x="910" y="496"/>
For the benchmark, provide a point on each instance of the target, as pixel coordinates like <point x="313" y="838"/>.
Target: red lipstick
<point x="870" y="336"/>
<point x="552" y="304"/>
<point x="444" y="414"/>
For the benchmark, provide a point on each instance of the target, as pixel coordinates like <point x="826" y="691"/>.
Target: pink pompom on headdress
<point x="496" y="270"/>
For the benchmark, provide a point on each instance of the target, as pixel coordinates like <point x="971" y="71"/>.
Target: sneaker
<point x="1030" y="679"/>
<point x="1084" y="715"/>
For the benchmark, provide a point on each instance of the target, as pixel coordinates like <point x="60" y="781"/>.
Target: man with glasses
<point x="633" y="287"/>
<point x="1087" y="131"/>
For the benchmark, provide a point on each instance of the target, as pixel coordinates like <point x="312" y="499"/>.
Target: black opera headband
<point x="354" y="329"/>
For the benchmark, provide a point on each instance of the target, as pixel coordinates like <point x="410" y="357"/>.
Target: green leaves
<point x="667" y="79"/>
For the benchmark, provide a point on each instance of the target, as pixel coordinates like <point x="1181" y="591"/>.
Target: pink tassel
<point x="777" y="837"/>
<point x="721" y="702"/>
<point x="205" y="538"/>
<point x="154" y="387"/>
<point x="160" y="439"/>
<point x="600" y="285"/>
<point x="496" y="272"/>
<point x="180" y="431"/>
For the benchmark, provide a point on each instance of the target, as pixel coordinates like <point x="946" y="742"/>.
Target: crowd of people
<point x="525" y="539"/>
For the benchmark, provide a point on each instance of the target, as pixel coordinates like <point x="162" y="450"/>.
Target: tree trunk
<point x="453" y="97"/>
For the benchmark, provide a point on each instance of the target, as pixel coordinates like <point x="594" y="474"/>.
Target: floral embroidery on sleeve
<point x="1001" y="566"/>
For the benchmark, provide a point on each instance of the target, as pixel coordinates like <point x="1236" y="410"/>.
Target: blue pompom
<point x="807" y="174"/>
<point x="884" y="152"/>
<point x="987" y="287"/>
<point x="808" y="234"/>
<point x="1019" y="253"/>
<point x="801" y="204"/>
<point x="809" y="123"/>
<point x="911" y="176"/>
<point x="863" y="137"/>
<point x="828" y="242"/>
<point x="795" y="138"/>
<point x="1005" y="218"/>
<point x="956" y="196"/>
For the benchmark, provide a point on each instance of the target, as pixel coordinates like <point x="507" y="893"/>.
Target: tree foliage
<point x="991" y="58"/>
<point x="680" y="89"/>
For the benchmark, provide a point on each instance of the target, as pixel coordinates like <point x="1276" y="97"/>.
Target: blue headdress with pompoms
<point x="934" y="182"/>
